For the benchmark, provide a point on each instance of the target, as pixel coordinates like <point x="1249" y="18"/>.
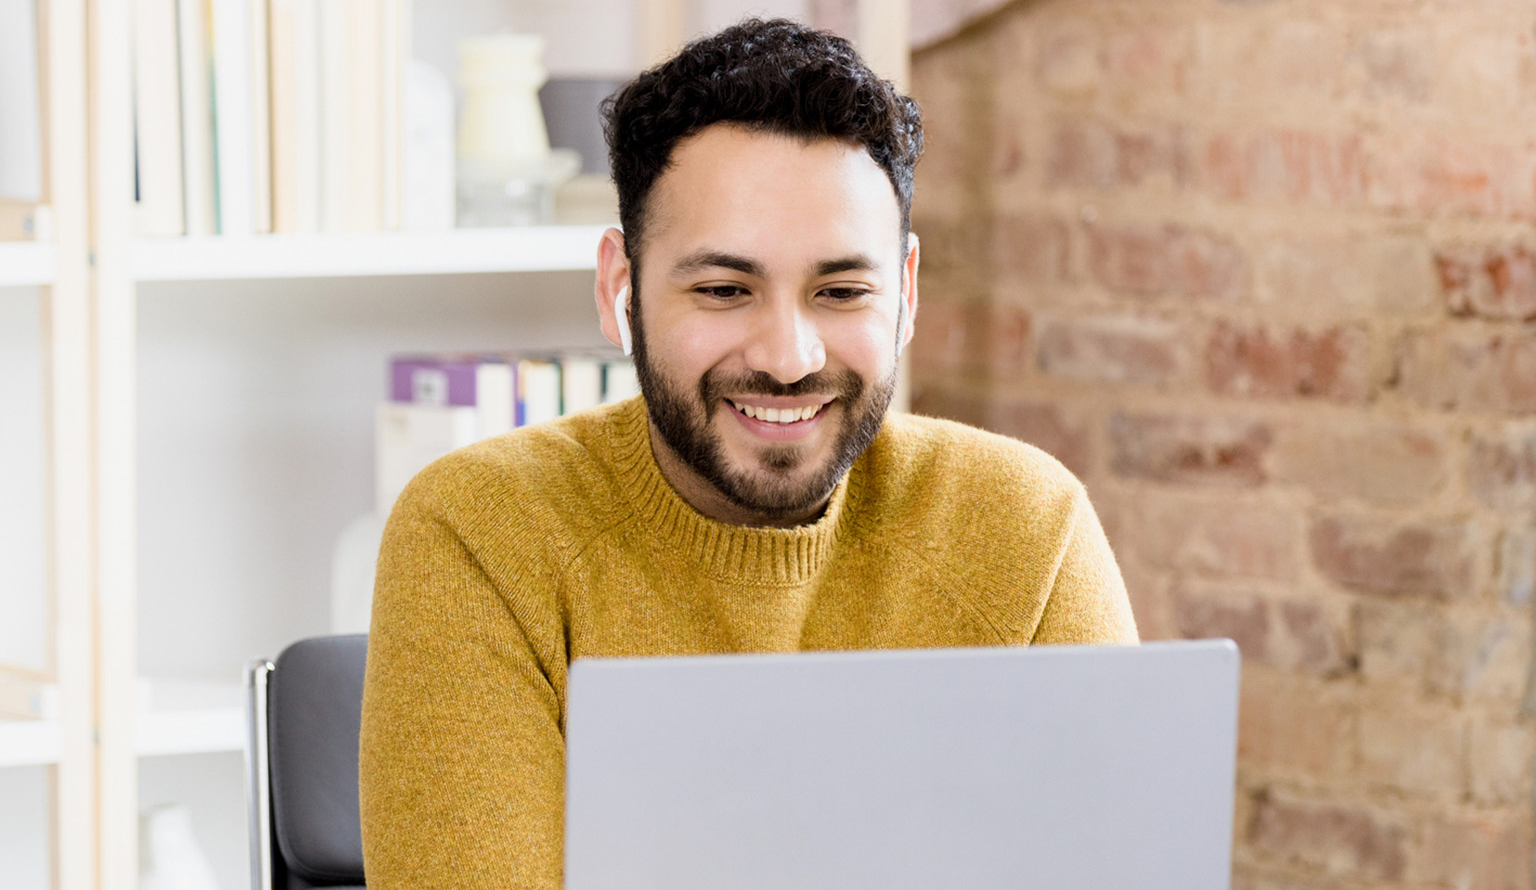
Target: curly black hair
<point x="778" y="76"/>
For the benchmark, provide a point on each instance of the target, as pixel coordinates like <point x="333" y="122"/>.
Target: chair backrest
<point x="304" y="714"/>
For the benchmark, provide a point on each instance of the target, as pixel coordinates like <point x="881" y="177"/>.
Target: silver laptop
<point x="1055" y="767"/>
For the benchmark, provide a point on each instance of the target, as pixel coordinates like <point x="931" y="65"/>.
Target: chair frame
<point x="258" y="774"/>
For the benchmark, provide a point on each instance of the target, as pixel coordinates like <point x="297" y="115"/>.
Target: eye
<point x="721" y="291"/>
<point x="844" y="294"/>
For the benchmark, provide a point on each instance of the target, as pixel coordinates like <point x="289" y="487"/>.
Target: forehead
<point x="772" y="196"/>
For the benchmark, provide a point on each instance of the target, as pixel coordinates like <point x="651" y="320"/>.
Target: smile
<point x="777" y="415"/>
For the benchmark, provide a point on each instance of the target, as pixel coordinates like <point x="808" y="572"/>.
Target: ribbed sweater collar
<point x="737" y="554"/>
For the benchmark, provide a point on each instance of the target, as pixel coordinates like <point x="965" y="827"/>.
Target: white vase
<point x="169" y="857"/>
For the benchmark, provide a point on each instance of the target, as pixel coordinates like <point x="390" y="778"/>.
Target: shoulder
<point x="550" y="475"/>
<point x="931" y="455"/>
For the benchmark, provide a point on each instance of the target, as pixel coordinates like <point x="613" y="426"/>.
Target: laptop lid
<point x="1049" y="767"/>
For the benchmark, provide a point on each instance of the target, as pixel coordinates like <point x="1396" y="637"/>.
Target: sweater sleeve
<point x="462" y="753"/>
<point x="1088" y="602"/>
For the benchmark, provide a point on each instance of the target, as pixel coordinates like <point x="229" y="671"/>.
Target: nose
<point x="786" y="342"/>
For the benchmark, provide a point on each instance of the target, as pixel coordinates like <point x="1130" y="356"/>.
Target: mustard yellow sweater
<point x="504" y="561"/>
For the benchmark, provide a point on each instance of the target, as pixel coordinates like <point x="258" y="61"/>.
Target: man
<point x="756" y="498"/>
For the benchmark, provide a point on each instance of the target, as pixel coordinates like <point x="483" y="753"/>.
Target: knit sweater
<point x="505" y="561"/>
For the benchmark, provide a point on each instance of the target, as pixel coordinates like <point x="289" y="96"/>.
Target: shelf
<point x="29" y="742"/>
<point x="30" y="263"/>
<point x="190" y="717"/>
<point x="456" y="251"/>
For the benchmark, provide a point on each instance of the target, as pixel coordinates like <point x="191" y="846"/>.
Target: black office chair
<point x="303" y="714"/>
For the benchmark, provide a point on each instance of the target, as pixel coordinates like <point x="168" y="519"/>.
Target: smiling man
<point x="757" y="497"/>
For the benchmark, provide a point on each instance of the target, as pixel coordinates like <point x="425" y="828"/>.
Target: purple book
<point x="439" y="379"/>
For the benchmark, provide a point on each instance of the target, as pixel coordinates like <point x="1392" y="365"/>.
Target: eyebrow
<point x="700" y="260"/>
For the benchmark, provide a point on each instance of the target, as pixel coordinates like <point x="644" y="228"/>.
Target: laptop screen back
<point x="1059" y="767"/>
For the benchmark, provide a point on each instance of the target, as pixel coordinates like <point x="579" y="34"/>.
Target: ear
<point x="613" y="273"/>
<point x="909" y="289"/>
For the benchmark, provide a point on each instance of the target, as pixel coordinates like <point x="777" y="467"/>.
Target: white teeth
<point x="779" y="415"/>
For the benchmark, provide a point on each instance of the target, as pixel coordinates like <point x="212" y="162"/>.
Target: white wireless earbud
<point x="621" y="312"/>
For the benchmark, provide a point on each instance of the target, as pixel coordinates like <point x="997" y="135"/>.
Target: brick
<point x="1396" y="643"/>
<point x="1517" y="566"/>
<point x="1433" y="174"/>
<point x="1483" y="71"/>
<point x="1114" y="348"/>
<point x="1501" y="471"/>
<point x="1480" y="657"/>
<point x="1093" y="154"/>
<point x="1150" y="59"/>
<point x="1413" y="752"/>
<point x="1496" y="282"/>
<point x="1029" y="249"/>
<point x="1468" y="370"/>
<point x="1327" y="169"/>
<point x="1305" y="638"/>
<point x="1250" y="360"/>
<point x="1156" y="260"/>
<point x="1500" y="759"/>
<point x="1219" y="538"/>
<point x="1339" y="839"/>
<point x="1041" y="424"/>
<point x="1217" y="451"/>
<point x="1485" y="853"/>
<point x="1388" y="464"/>
<point x="1348" y="276"/>
<point x="972" y="336"/>
<point x="1296" y="729"/>
<point x="1286" y="60"/>
<point x="1070" y="57"/>
<point x="1394" y="63"/>
<point x="1242" y="619"/>
<point x="1150" y="603"/>
<point x="1420" y="559"/>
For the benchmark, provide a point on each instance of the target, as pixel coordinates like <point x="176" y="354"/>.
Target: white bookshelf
<point x="29" y="743"/>
<point x="26" y="264"/>
<point x="190" y="717"/>
<point x="455" y="251"/>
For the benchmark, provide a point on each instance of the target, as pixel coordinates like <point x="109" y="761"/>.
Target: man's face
<point x="766" y="338"/>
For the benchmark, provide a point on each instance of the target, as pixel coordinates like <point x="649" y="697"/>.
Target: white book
<point x="619" y="381"/>
<point x="581" y="383"/>
<point x="396" y="48"/>
<point x="538" y="391"/>
<point x="295" y="74"/>
<point x="157" y="118"/>
<point x="233" y="127"/>
<point x="408" y="437"/>
<point x="198" y="185"/>
<point x="365" y="115"/>
<point x="261" y="118"/>
<point x="334" y="117"/>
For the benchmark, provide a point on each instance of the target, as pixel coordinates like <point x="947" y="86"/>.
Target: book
<point x="157" y="119"/>
<point x="407" y="437"/>
<point x="233" y="126"/>
<point x="482" y="382"/>
<point x="261" y="119"/>
<point x="395" y="40"/>
<point x="199" y="190"/>
<point x="294" y="67"/>
<point x="581" y="382"/>
<point x="538" y="390"/>
<point x="620" y="381"/>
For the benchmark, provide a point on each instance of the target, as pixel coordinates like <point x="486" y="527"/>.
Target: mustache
<point x="844" y="384"/>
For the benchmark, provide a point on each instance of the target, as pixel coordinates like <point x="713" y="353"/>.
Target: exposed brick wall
<point x="1264" y="275"/>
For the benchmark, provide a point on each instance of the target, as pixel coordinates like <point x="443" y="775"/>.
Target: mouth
<point x="783" y="415"/>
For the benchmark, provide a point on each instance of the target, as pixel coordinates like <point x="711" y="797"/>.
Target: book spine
<point x="196" y="118"/>
<point x="232" y="123"/>
<point x="157" y="118"/>
<point x="261" y="116"/>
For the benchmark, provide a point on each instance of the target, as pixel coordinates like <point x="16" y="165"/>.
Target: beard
<point x="779" y="482"/>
